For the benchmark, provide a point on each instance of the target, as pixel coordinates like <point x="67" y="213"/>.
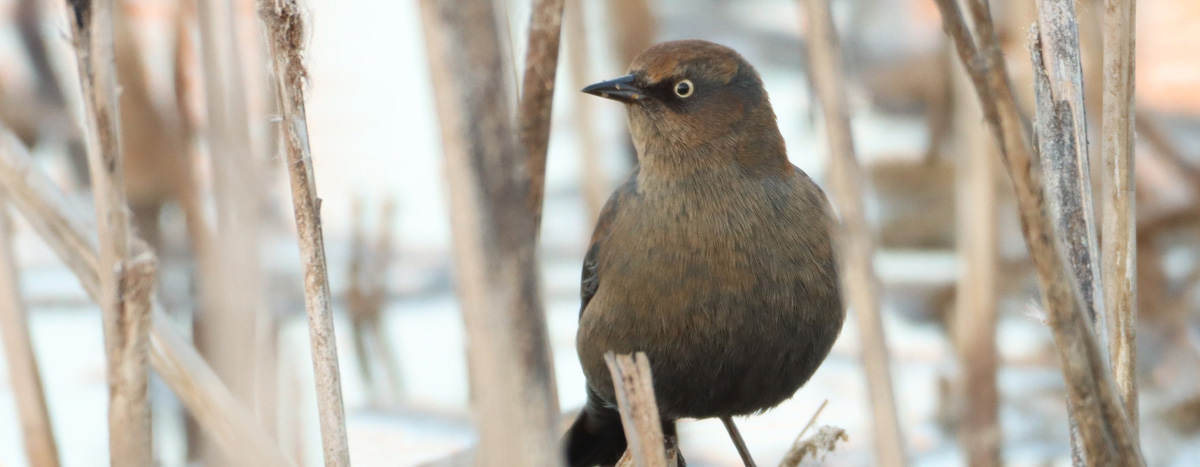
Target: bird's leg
<point x="738" y="442"/>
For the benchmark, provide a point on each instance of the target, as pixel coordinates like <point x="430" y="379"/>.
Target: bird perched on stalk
<point x="714" y="257"/>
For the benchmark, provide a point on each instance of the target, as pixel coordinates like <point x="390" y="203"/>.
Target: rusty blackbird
<point x="714" y="257"/>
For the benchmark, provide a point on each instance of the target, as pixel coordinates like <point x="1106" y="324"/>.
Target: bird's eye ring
<point x="684" y="88"/>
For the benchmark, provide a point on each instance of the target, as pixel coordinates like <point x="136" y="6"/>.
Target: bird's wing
<point x="590" y="281"/>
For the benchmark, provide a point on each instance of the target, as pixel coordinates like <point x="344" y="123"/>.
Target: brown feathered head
<point x="689" y="95"/>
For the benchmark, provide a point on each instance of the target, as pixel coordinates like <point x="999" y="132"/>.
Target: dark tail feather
<point x="596" y="437"/>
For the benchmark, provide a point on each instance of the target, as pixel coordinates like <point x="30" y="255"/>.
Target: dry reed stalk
<point x="1119" y="246"/>
<point x="358" y="303"/>
<point x="537" y="96"/>
<point x="856" y="248"/>
<point x="512" y="378"/>
<point x="1090" y="388"/>
<point x="382" y="259"/>
<point x="975" y="303"/>
<point x="233" y="309"/>
<point x="216" y="410"/>
<point x="286" y="33"/>
<point x="1061" y="126"/>
<point x="591" y="171"/>
<point x="633" y="385"/>
<point x="47" y="210"/>
<point x="633" y="27"/>
<point x="124" y="329"/>
<point x="365" y="298"/>
<point x="234" y="317"/>
<point x="40" y="448"/>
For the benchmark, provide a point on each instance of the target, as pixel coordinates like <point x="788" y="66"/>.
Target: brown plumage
<point x="714" y="257"/>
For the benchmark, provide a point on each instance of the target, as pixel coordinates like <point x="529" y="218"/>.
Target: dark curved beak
<point x="619" y="89"/>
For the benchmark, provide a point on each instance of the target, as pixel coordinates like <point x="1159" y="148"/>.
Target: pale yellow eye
<point x="684" y="88"/>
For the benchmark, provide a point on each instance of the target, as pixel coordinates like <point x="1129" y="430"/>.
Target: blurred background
<point x="378" y="160"/>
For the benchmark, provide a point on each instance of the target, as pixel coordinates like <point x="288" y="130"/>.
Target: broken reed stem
<point x="124" y="337"/>
<point x="1090" y="389"/>
<point x="286" y="34"/>
<point x="633" y="385"/>
<point x="1062" y="145"/>
<point x="815" y="447"/>
<point x="974" y="331"/>
<point x="859" y="283"/>
<point x="537" y="96"/>
<point x="1119" y="246"/>
<point x="591" y="170"/>
<point x="207" y="398"/>
<point x="40" y="448"/>
<point x="509" y="358"/>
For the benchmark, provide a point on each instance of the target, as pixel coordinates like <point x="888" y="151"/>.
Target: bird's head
<point x="689" y="95"/>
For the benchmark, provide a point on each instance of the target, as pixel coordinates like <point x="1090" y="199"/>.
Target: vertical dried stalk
<point x="509" y="353"/>
<point x="382" y="260"/>
<point x="206" y="397"/>
<point x="40" y="447"/>
<point x="975" y="318"/>
<point x="124" y="337"/>
<point x="595" y="187"/>
<point x="537" y="95"/>
<point x="633" y="27"/>
<point x="856" y="246"/>
<point x="366" y="296"/>
<point x="639" y="411"/>
<point x="1090" y="389"/>
<point x="286" y="36"/>
<point x="1119" y="248"/>
<point x="233" y="318"/>
<point x="1062" y="144"/>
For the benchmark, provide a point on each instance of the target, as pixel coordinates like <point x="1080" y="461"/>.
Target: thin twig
<point x="633" y="385"/>
<point x="857" y="249"/>
<point x="801" y="447"/>
<point x="286" y="35"/>
<point x="1090" y="389"/>
<point x="26" y="380"/>
<point x="47" y="210"/>
<point x="124" y="339"/>
<point x="494" y="233"/>
<point x="1119" y="247"/>
<point x="537" y="95"/>
<point x="738" y="442"/>
<point x="812" y="420"/>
